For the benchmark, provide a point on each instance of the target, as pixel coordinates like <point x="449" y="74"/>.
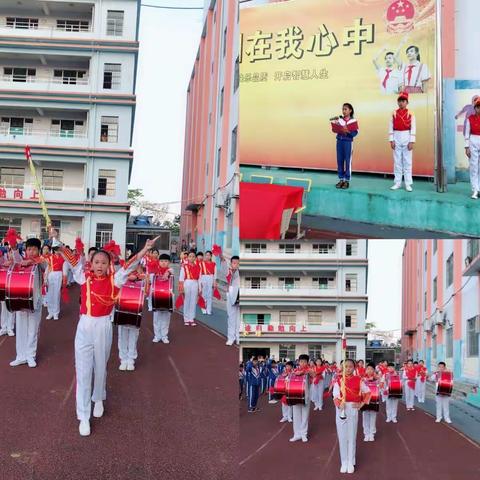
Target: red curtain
<point x="262" y="206"/>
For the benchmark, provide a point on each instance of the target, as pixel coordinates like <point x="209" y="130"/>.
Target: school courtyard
<point x="173" y="417"/>
<point x="414" y="448"/>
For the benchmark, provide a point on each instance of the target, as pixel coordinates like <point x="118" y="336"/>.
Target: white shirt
<point x="420" y="73"/>
<point x="394" y="81"/>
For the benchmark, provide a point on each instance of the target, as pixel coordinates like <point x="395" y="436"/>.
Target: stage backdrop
<point x="302" y="59"/>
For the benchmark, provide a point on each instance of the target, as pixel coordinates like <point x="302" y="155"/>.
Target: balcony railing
<point x="282" y="291"/>
<point x="35" y="24"/>
<point x="280" y="328"/>
<point x="44" y="79"/>
<point x="24" y="131"/>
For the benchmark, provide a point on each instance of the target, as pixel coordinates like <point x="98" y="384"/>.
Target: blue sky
<point x="169" y="42"/>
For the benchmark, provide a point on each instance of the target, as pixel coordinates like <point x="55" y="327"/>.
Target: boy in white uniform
<point x="232" y="276"/>
<point x="442" y="401"/>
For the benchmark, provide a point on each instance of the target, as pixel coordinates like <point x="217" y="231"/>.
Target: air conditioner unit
<point x="439" y="318"/>
<point x="220" y="199"/>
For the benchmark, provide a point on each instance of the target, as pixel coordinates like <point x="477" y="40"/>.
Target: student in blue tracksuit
<point x="345" y="145"/>
<point x="254" y="381"/>
<point x="273" y="373"/>
<point x="241" y="380"/>
<point x="262" y="364"/>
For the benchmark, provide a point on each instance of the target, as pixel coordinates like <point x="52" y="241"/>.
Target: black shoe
<point x="345" y="185"/>
<point x="339" y="184"/>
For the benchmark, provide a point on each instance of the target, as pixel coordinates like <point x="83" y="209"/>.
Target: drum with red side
<point x="296" y="389"/>
<point x="394" y="386"/>
<point x="374" y="397"/>
<point x="129" y="304"/>
<point x="444" y="383"/>
<point x="22" y="288"/>
<point x="279" y="387"/>
<point x="3" y="282"/>
<point x="162" y="293"/>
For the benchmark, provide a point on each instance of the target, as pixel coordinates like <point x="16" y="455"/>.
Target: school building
<point x="441" y="306"/>
<point x="298" y="296"/>
<point x="209" y="212"/>
<point x="67" y="83"/>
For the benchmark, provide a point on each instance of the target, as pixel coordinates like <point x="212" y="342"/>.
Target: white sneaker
<point x="388" y="420"/>
<point x="394" y="420"/>
<point x="3" y="332"/>
<point x="165" y="340"/>
<point x="474" y="195"/>
<point x="283" y="420"/>
<point x="229" y="343"/>
<point x="31" y="363"/>
<point x="408" y="188"/>
<point x="290" y="420"/>
<point x="49" y="317"/>
<point x="304" y="439"/>
<point x="123" y="366"/>
<point x="350" y="469"/>
<point x="98" y="409"/>
<point x="343" y="469"/>
<point x="366" y="438"/>
<point x="438" y="420"/>
<point x="448" y="420"/>
<point x="84" y="428"/>
<point x="295" y="439"/>
<point x="17" y="362"/>
<point x="11" y="333"/>
<point x="272" y="402"/>
<point x="395" y="186"/>
<point x="55" y="317"/>
<point x="204" y="311"/>
<point x="155" y="340"/>
<point x="131" y="366"/>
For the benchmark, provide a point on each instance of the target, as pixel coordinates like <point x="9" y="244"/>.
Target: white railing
<point x="32" y="25"/>
<point x="288" y="288"/>
<point x="19" y="131"/>
<point x="44" y="79"/>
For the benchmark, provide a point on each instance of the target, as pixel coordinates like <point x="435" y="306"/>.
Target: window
<point x="109" y="129"/>
<point x="222" y="97"/>
<point x="115" y="22"/>
<point x="256" y="318"/>
<point x="435" y="289"/>
<point x="56" y="224"/>
<point x="450" y="270"/>
<point x="426" y="257"/>
<point x="256" y="247"/>
<point x="324" y="248"/>
<point x="16" y="126"/>
<point x="52" y="179"/>
<point x="219" y="160"/>
<point x="323" y="282"/>
<point x="233" y="157"/>
<point x="314" y="351"/>
<point x="225" y="41"/>
<point x="351" y="352"/>
<point x="472" y="338"/>
<point x="288" y="282"/>
<point x="434" y="346"/>
<point x="315" y="317"/>
<point x="106" y="182"/>
<point x="289" y="247"/>
<point x="67" y="128"/>
<point x="19" y="74"/>
<point x="236" y="78"/>
<point x="21" y="22"/>
<point x="350" y="318"/>
<point x="351" y="282"/>
<point x="103" y="234"/>
<point x="286" y="351"/>
<point x="73" y="25"/>
<point x="435" y="246"/>
<point x="256" y="282"/>
<point x="69" y="77"/>
<point x="9" y="222"/>
<point x="351" y="248"/>
<point x="12" y="177"/>
<point x="112" y="76"/>
<point x="449" y="343"/>
<point x="425" y="301"/>
<point x="288" y="318"/>
<point x="473" y="248"/>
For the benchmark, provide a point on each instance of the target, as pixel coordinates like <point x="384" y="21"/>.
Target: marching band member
<point x="317" y="385"/>
<point x="402" y="139"/>
<point x="420" y="384"/>
<point x="472" y="148"/>
<point x="287" y="410"/>
<point x="301" y="412"/>
<point x="128" y="334"/>
<point x="199" y="262"/>
<point x="55" y="278"/>
<point x="410" y="379"/>
<point x="46" y="251"/>
<point x="161" y="318"/>
<point x="369" y="417"/>
<point x="241" y="380"/>
<point x="253" y="383"/>
<point x="188" y="284"/>
<point x="360" y="370"/>
<point x="263" y="374"/>
<point x="99" y="288"/>
<point x="208" y="280"/>
<point x="272" y="372"/>
<point x="442" y="401"/>
<point x="232" y="276"/>
<point x="391" y="403"/>
<point x="28" y="323"/>
<point x="348" y="399"/>
<point x="7" y="319"/>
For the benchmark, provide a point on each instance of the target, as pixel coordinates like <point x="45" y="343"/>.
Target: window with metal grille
<point x="73" y="25"/>
<point x="22" y="22"/>
<point x="256" y="282"/>
<point x="236" y="78"/>
<point x="324" y="282"/>
<point x="256" y="247"/>
<point x="68" y="77"/>
<point x="225" y="41"/>
<point x="233" y="156"/>
<point x="351" y="248"/>
<point x="324" y="248"/>
<point x="472" y="338"/>
<point x="351" y="352"/>
<point x="256" y="318"/>
<point x="222" y="98"/>
<point x="109" y="129"/>
<point x="289" y="247"/>
<point x="315" y="317"/>
<point x="115" y="22"/>
<point x="473" y="248"/>
<point x="435" y="246"/>
<point x="103" y="234"/>
<point x="112" y="73"/>
<point x="106" y="182"/>
<point x="288" y="282"/>
<point x="449" y="343"/>
<point x="219" y="160"/>
<point x="449" y="270"/>
<point x="67" y="128"/>
<point x="9" y="222"/>
<point x="350" y="318"/>
<point x="351" y="282"/>
<point x="435" y="287"/>
<point x="286" y="351"/>
<point x="12" y="177"/>
<point x="434" y="346"/>
<point x="19" y="74"/>
<point x="314" y="351"/>
<point x="52" y="179"/>
<point x="288" y="318"/>
<point x="16" y="126"/>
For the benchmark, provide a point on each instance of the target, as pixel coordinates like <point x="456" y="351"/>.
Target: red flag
<point x="179" y="301"/>
<point x="216" y="294"/>
<point x="79" y="246"/>
<point x="201" y="302"/>
<point x="344" y="341"/>
<point x="217" y="250"/>
<point x="28" y="153"/>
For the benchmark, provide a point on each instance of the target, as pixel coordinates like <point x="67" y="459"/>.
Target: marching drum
<point x="3" y="282"/>
<point x="279" y="387"/>
<point x="162" y="293"/>
<point x="444" y="383"/>
<point x="296" y="389"/>
<point x="22" y="288"/>
<point x="374" y="397"/>
<point x="394" y="386"/>
<point x="129" y="305"/>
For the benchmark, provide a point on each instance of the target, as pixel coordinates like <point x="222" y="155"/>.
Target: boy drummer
<point x="442" y="401"/>
<point x="161" y="318"/>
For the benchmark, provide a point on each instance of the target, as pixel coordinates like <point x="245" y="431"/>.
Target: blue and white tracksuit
<point x="272" y="376"/>
<point x="344" y="150"/>
<point x="253" y="382"/>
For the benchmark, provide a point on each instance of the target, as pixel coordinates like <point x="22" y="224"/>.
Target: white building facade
<point x="67" y="83"/>
<point x="298" y="296"/>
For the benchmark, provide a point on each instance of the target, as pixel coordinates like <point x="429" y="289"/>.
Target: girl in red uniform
<point x="189" y="285"/>
<point x="161" y="318"/>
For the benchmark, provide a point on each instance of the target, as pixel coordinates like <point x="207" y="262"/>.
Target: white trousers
<point x="420" y="390"/>
<point x="347" y="434"/>
<point x="28" y="326"/>
<point x="53" y="293"/>
<point x="391" y="407"/>
<point x="369" y="418"/>
<point x="402" y="158"/>
<point x="409" y="396"/>
<point x="161" y="323"/>
<point x="287" y="412"/>
<point x="127" y="342"/>
<point x="317" y="394"/>
<point x="190" y="301"/>
<point x="206" y="282"/>
<point x="7" y="319"/>
<point x="474" y="162"/>
<point x="300" y="414"/>
<point x="443" y="406"/>
<point x="233" y="325"/>
<point x="93" y="343"/>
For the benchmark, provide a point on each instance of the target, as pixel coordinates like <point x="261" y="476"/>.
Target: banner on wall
<point x="302" y="59"/>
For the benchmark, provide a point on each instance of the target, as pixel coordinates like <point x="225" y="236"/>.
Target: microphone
<point x="333" y="119"/>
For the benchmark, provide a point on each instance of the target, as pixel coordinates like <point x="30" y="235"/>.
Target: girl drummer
<point x="161" y="318"/>
<point x="99" y="289"/>
<point x="369" y="417"/>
